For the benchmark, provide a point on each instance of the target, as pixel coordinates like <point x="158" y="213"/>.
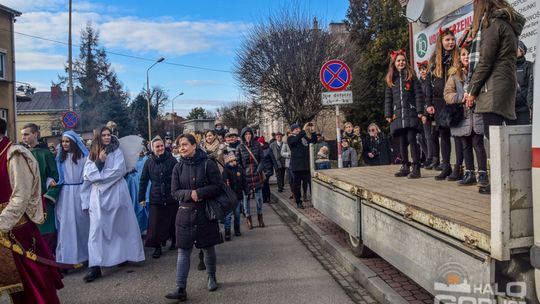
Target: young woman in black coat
<point x="195" y="180"/>
<point x="446" y="53"/>
<point x="403" y="108"/>
<point x="377" y="150"/>
<point x="158" y="169"/>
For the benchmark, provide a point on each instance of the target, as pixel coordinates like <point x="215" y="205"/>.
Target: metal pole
<point x="148" y="104"/>
<point x="70" y="64"/>
<point x="173" y="118"/>
<point x="338" y="138"/>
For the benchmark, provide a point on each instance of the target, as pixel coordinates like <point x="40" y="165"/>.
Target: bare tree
<point x="238" y="115"/>
<point x="278" y="65"/>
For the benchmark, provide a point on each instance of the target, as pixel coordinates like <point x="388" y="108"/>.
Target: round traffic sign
<point x="335" y="75"/>
<point x="70" y="120"/>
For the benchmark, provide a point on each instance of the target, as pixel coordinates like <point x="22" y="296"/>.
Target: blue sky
<point x="200" y="33"/>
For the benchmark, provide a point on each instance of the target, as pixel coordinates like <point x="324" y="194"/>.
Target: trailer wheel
<point x="358" y="248"/>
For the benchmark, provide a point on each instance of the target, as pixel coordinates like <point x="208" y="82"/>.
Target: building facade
<point x="46" y="109"/>
<point x="7" y="68"/>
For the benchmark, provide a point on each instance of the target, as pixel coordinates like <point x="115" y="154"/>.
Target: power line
<point x="125" y="55"/>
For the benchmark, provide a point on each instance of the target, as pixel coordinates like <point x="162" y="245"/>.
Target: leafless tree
<point x="238" y="115"/>
<point x="279" y="61"/>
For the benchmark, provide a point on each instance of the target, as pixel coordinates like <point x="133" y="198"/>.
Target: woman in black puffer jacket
<point x="403" y="107"/>
<point x="158" y="169"/>
<point x="195" y="180"/>
<point x="250" y="158"/>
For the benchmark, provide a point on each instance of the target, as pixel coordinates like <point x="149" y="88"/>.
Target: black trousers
<point x="445" y="146"/>
<point x="407" y="137"/>
<point x="266" y="189"/>
<point x="301" y="180"/>
<point x="428" y="149"/>
<point x="491" y="119"/>
<point x="458" y="145"/>
<point x="280" y="176"/>
<point x="476" y="142"/>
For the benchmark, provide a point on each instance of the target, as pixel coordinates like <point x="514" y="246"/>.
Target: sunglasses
<point x="372" y="130"/>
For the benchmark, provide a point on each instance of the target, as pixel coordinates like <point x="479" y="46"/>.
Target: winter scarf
<point x="474" y="55"/>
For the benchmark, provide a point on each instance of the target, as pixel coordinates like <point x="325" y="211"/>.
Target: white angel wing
<point x="131" y="146"/>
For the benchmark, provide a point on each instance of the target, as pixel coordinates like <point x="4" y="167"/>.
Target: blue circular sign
<point x="335" y="75"/>
<point x="70" y="120"/>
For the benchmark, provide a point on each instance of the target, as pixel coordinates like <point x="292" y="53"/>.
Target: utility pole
<point x="70" y="64"/>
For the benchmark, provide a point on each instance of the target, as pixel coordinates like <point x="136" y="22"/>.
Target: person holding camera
<point x="377" y="150"/>
<point x="299" y="144"/>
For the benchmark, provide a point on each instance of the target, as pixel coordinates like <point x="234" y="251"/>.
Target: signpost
<point x="70" y="120"/>
<point x="335" y="76"/>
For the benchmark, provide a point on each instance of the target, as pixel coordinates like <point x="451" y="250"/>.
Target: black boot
<point x="93" y="273"/>
<point x="485" y="190"/>
<point x="446" y="171"/>
<point x="483" y="179"/>
<point x="157" y="253"/>
<point x="415" y="173"/>
<point x="469" y="179"/>
<point x="227" y="235"/>
<point x="179" y="294"/>
<point x="404" y="170"/>
<point x="457" y="174"/>
<point x="433" y="164"/>
<point x="201" y="265"/>
<point x="237" y="231"/>
<point x="212" y="283"/>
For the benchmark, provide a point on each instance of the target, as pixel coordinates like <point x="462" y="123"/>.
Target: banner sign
<point x="462" y="19"/>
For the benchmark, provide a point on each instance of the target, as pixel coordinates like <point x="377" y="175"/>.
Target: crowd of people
<point x="76" y="203"/>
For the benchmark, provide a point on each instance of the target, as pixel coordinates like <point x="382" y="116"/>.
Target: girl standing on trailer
<point x="470" y="131"/>
<point x="446" y="53"/>
<point x="403" y="108"/>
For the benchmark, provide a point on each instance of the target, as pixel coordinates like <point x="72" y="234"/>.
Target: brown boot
<point x="260" y="218"/>
<point x="249" y="222"/>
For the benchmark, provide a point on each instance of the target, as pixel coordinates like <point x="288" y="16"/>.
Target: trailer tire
<point x="358" y="248"/>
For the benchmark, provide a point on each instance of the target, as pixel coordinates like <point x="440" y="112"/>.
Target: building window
<point x="2" y="65"/>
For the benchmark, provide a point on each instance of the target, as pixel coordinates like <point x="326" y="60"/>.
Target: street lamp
<point x="173" y="115"/>
<point x="148" y="97"/>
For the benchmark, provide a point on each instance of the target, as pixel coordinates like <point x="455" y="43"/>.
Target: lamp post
<point x="148" y="97"/>
<point x="173" y="115"/>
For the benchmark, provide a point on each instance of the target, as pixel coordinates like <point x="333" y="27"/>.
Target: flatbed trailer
<point x="435" y="231"/>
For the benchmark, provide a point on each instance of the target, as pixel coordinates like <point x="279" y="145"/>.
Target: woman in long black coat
<point x="377" y="150"/>
<point x="195" y="180"/>
<point x="158" y="169"/>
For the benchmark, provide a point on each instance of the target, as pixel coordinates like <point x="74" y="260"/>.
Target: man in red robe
<point x="21" y="209"/>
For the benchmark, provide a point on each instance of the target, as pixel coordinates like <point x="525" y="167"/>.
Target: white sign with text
<point x="337" y="98"/>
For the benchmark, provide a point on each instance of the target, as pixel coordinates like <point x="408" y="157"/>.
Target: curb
<point x="379" y="289"/>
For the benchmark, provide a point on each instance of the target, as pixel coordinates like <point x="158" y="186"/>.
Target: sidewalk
<point x="381" y="279"/>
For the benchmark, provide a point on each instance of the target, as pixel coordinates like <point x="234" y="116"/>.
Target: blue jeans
<point x="184" y="261"/>
<point x="227" y="220"/>
<point x="258" y="201"/>
<point x="322" y="166"/>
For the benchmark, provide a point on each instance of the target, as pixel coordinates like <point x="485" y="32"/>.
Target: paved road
<point x="268" y="265"/>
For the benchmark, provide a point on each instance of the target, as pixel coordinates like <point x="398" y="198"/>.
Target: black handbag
<point x="219" y="207"/>
<point x="451" y="115"/>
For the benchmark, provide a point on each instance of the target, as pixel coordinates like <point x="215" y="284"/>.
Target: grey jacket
<point x="286" y="154"/>
<point x="350" y="159"/>
<point x="276" y="150"/>
<point x="453" y="93"/>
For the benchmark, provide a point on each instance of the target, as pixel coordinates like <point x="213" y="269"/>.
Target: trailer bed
<point x="456" y="211"/>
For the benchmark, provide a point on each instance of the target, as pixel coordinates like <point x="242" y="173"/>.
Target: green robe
<point x="47" y="169"/>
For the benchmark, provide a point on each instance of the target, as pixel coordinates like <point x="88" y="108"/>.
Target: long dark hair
<point x="97" y="146"/>
<point x="73" y="148"/>
<point x="483" y="7"/>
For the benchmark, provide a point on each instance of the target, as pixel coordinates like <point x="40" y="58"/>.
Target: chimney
<point x="56" y="93"/>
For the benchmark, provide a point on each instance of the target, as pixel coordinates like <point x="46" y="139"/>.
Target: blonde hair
<point x="437" y="58"/>
<point x="375" y="126"/>
<point x="348" y="123"/>
<point x="323" y="149"/>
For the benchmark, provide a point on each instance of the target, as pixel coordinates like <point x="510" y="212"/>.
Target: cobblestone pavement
<point x="398" y="281"/>
<point x="356" y="292"/>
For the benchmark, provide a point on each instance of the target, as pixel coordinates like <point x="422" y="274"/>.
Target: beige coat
<point x="25" y="183"/>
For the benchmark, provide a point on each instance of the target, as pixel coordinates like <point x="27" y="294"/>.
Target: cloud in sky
<point x="202" y="83"/>
<point x="33" y="61"/>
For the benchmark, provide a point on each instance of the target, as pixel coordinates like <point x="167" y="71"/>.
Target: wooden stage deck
<point x="458" y="211"/>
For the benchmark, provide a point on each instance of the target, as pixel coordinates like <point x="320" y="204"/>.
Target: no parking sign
<point x="70" y="120"/>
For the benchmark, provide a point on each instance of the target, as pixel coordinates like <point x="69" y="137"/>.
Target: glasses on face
<point x="372" y="130"/>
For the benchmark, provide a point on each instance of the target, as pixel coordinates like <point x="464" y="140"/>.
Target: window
<point x="2" y="65"/>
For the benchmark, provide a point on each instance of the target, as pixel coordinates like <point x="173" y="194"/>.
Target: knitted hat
<point x="523" y="47"/>
<point x="295" y="126"/>
<point x="229" y="157"/>
<point x="261" y="140"/>
<point x="232" y="132"/>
